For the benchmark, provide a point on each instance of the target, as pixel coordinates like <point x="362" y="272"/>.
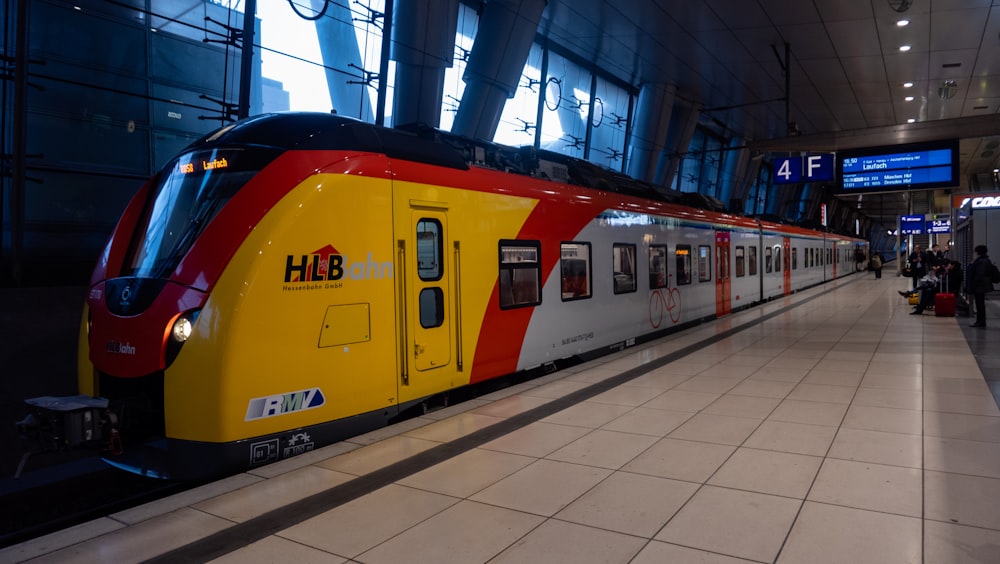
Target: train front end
<point x="147" y="293"/>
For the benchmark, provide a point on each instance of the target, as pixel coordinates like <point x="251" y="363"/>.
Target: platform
<point x="829" y="426"/>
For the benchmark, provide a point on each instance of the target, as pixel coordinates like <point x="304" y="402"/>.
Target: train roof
<point x="424" y="144"/>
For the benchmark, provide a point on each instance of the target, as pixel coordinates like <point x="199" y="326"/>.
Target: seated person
<point x="930" y="280"/>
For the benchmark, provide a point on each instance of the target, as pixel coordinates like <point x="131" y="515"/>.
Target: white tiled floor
<point x="843" y="430"/>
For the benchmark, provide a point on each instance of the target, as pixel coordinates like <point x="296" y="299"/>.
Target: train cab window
<point x="520" y="273"/>
<point x="657" y="266"/>
<point x="795" y="258"/>
<point x="752" y="260"/>
<point x="429" y="249"/>
<point x="740" y="261"/>
<point x="574" y="265"/>
<point x="767" y="260"/>
<point x="623" y="263"/>
<point x="704" y="263"/>
<point x="682" y="258"/>
<point x="431" y="307"/>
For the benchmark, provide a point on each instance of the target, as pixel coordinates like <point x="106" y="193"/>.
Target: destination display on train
<point x="914" y="166"/>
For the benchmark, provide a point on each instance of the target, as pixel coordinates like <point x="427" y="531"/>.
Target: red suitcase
<point x="944" y="304"/>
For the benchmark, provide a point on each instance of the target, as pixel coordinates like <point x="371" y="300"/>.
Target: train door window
<point x="657" y="266"/>
<point x="809" y="256"/>
<point x="752" y="260"/>
<point x="623" y="262"/>
<point x="682" y="258"/>
<point x="795" y="258"/>
<point x="829" y="256"/>
<point x="767" y="260"/>
<point x="777" y="258"/>
<point x="429" y="249"/>
<point x="431" y="307"/>
<point x="574" y="265"/>
<point x="704" y="263"/>
<point x="520" y="273"/>
<point x="740" y="261"/>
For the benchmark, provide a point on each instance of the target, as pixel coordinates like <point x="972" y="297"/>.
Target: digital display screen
<point x="899" y="167"/>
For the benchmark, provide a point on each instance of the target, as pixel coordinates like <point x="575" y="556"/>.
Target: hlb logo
<point x="270" y="406"/>
<point x="327" y="264"/>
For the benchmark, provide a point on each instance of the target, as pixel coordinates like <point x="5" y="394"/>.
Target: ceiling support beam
<point x="423" y="46"/>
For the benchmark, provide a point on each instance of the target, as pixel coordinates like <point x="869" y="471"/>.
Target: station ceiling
<point x="847" y="74"/>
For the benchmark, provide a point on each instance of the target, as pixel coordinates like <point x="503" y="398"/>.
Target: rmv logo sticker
<point x="270" y="406"/>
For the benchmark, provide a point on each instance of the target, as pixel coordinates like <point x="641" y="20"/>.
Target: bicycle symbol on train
<point x="658" y="304"/>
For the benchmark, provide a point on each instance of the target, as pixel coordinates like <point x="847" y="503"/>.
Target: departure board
<point x="900" y="167"/>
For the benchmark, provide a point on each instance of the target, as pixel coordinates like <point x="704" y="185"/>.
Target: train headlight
<point x="177" y="333"/>
<point x="181" y="329"/>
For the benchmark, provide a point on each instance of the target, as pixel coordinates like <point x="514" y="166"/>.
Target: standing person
<point x="979" y="283"/>
<point x="918" y="264"/>
<point x="877" y="265"/>
<point x="935" y="257"/>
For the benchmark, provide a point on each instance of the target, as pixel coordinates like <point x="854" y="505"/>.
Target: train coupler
<point x="66" y="422"/>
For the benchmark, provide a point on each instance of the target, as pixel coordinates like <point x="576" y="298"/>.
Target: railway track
<point x="72" y="494"/>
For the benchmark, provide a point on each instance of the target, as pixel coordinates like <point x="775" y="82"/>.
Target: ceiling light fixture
<point x="909" y="98"/>
<point x="904" y="48"/>
<point x="911" y="120"/>
<point x="907" y="85"/>
<point x="902" y="23"/>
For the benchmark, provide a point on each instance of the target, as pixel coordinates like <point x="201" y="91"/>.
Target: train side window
<point x="795" y="258"/>
<point x="574" y="264"/>
<point x="682" y="257"/>
<point x="704" y="263"/>
<point x="623" y="263"/>
<point x="431" y="307"/>
<point x="752" y="260"/>
<point x="740" y="261"/>
<point x="429" y="249"/>
<point x="657" y="266"/>
<point x="808" y="256"/>
<point x="520" y="273"/>
<point x="767" y="260"/>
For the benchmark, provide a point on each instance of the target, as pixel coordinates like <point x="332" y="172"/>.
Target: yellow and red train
<point x="295" y="279"/>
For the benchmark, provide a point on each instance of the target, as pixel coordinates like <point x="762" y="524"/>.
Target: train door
<point x="426" y="320"/>
<point x="834" y="251"/>
<point x="786" y="244"/>
<point x="723" y="288"/>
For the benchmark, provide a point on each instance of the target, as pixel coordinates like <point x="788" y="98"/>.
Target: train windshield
<point x="188" y="194"/>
